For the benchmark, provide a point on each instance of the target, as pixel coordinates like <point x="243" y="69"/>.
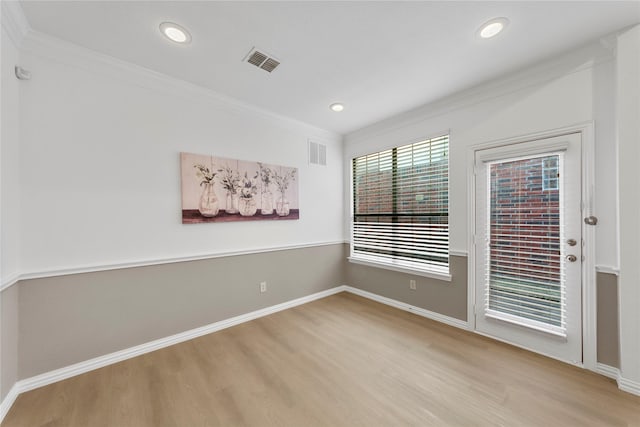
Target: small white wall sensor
<point x="22" y="74"/>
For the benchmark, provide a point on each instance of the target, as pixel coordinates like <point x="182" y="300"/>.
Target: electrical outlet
<point x="412" y="284"/>
<point x="263" y="286"/>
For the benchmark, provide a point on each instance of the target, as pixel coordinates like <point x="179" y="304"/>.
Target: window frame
<point x="391" y="263"/>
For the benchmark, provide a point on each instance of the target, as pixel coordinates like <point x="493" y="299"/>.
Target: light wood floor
<point x="339" y="361"/>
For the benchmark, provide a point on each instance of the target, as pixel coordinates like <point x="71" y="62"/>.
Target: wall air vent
<point x="262" y="60"/>
<point x="317" y="154"/>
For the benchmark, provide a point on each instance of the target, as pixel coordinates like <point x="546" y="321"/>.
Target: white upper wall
<point x="100" y="169"/>
<point x="10" y="38"/>
<point x="628" y="126"/>
<point x="575" y="89"/>
<point x="9" y="155"/>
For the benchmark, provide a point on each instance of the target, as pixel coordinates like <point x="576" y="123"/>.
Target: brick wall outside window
<point x="433" y="199"/>
<point x="525" y="227"/>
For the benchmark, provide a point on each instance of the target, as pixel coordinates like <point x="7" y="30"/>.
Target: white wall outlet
<point x="412" y="284"/>
<point x="263" y="286"/>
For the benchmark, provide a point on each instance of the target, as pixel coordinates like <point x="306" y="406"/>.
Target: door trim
<point x="586" y="130"/>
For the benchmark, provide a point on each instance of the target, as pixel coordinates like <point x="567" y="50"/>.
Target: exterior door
<point x="528" y="245"/>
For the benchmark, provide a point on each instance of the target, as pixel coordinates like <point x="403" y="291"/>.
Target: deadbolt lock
<point x="572" y="258"/>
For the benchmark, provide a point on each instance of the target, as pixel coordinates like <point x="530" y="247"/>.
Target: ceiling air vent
<point x="317" y="154"/>
<point x="261" y="60"/>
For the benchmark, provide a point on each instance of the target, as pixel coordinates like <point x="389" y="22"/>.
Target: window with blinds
<point x="525" y="275"/>
<point x="401" y="206"/>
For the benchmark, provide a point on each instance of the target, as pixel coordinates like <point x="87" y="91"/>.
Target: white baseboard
<point x="608" y="371"/>
<point x="629" y="386"/>
<point x="410" y="308"/>
<point x="118" y="356"/>
<point x="7" y="402"/>
<point x="624" y="384"/>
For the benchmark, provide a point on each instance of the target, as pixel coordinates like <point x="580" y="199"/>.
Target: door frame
<point x="586" y="130"/>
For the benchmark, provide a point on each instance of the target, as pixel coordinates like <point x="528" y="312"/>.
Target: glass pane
<point x="525" y="273"/>
<point x="406" y="187"/>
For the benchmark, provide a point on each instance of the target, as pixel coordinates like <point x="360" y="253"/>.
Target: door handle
<point x="572" y="242"/>
<point x="572" y="258"/>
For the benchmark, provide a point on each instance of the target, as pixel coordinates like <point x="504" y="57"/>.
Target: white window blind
<point x="524" y="272"/>
<point x="401" y="206"/>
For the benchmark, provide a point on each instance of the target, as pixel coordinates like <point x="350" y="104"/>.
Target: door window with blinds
<point x="401" y="207"/>
<point x="525" y="272"/>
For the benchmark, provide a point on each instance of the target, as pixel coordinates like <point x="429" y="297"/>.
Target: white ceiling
<point x="378" y="58"/>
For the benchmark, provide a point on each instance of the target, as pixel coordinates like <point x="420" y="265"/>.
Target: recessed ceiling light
<point x="337" y="107"/>
<point x="175" y="32"/>
<point x="493" y="27"/>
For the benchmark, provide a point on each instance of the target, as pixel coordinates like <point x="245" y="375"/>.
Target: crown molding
<point x="78" y="57"/>
<point x="14" y="22"/>
<point x="580" y="59"/>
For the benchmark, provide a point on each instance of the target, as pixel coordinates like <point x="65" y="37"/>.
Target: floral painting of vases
<point x="217" y="189"/>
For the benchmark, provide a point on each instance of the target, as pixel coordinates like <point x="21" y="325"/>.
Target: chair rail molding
<point x="15" y="278"/>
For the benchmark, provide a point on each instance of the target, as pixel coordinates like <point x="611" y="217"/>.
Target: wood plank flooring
<point x="339" y="361"/>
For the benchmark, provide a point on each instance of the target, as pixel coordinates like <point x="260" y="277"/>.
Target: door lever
<point x="591" y="220"/>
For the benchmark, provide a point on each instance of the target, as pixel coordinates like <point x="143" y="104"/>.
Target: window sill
<point x="402" y="269"/>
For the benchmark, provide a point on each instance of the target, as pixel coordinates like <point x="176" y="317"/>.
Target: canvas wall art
<point x="216" y="189"/>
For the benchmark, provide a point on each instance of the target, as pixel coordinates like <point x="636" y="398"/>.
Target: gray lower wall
<point x="448" y="298"/>
<point x="69" y="319"/>
<point x="608" y="329"/>
<point x="9" y="340"/>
